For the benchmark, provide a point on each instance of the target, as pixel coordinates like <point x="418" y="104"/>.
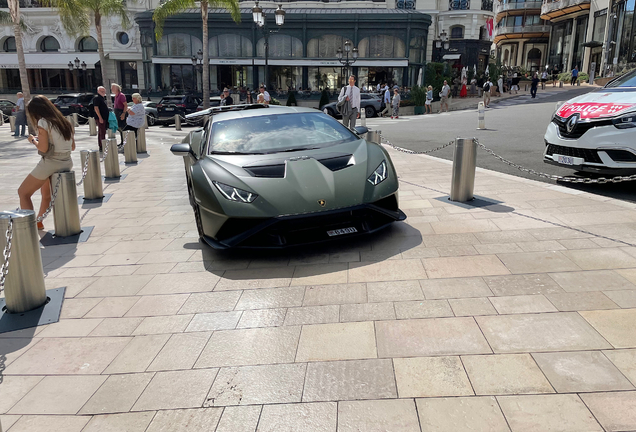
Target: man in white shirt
<point x="265" y="94"/>
<point x="444" y="97"/>
<point x="351" y="93"/>
<point x="387" y="101"/>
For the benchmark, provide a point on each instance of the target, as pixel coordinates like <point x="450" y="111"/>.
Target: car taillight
<point x="159" y="106"/>
<point x="75" y="106"/>
<point x="180" y="105"/>
<point x="199" y="109"/>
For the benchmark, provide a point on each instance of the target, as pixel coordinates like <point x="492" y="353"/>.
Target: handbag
<point x="344" y="106"/>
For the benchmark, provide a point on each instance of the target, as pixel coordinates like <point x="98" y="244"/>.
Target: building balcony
<point x="521" y="32"/>
<point x="505" y="7"/>
<point x="554" y="9"/>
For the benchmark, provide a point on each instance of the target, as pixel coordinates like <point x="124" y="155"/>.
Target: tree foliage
<point x="436" y="73"/>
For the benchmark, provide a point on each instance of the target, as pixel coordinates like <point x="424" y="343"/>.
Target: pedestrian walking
<point x="20" y="116"/>
<point x="444" y="96"/>
<point x="500" y="87"/>
<point x="544" y="78"/>
<point x="101" y="115"/>
<point x="534" y="85"/>
<point x="136" y="114"/>
<point x="575" y="75"/>
<point x="54" y="143"/>
<point x="396" y="103"/>
<point x="555" y="75"/>
<point x="350" y="94"/>
<point x="120" y="106"/>
<point x="429" y="100"/>
<point x="386" y="102"/>
<point x="487" y="86"/>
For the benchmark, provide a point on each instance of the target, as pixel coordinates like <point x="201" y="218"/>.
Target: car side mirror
<point x="361" y="130"/>
<point x="181" y="149"/>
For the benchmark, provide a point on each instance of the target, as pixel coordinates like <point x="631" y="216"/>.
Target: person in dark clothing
<point x="101" y="115"/>
<point x="226" y="99"/>
<point x="534" y="85"/>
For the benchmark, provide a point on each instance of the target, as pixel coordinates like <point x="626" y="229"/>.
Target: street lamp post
<point x="197" y="62"/>
<point x="347" y="50"/>
<point x="442" y="42"/>
<point x="258" y="15"/>
<point x="74" y="67"/>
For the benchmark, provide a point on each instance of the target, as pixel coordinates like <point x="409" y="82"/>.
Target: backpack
<point x="487" y="87"/>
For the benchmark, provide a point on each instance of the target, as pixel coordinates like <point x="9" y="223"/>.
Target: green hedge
<point x="567" y="76"/>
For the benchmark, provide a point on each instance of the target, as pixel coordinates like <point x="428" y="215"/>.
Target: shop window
<point x="417" y="50"/>
<point x="382" y="46"/>
<point x="325" y="46"/>
<point x="599" y="26"/>
<point x="87" y="44"/>
<point x="281" y="46"/>
<point x="9" y="45"/>
<point x="457" y="32"/>
<point x="229" y="45"/>
<point x="178" y="45"/>
<point x="49" y="44"/>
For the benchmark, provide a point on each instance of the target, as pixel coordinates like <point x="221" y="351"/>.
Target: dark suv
<point x="178" y="104"/>
<point x="75" y="103"/>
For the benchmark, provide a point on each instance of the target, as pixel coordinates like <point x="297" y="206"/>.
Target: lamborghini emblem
<point x="322" y="203"/>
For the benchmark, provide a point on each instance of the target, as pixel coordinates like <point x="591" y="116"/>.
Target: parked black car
<point x="79" y="103"/>
<point x="369" y="102"/>
<point x="6" y="106"/>
<point x="169" y="106"/>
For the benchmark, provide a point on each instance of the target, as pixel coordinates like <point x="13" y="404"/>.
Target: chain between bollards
<point x="53" y="196"/>
<point x="403" y="150"/>
<point x="4" y="271"/>
<point x="84" y="172"/>
<point x="104" y="154"/>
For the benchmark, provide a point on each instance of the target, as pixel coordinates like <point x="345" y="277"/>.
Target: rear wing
<point x="196" y="116"/>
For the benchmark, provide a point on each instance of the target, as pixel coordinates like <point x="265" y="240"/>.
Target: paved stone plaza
<point x="517" y="316"/>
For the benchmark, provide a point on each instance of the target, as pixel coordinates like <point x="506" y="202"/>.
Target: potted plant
<point x="418" y="96"/>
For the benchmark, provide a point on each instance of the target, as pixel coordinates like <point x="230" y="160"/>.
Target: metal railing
<point x="503" y="7"/>
<point x="487" y="5"/>
<point x="551" y="6"/>
<point x="522" y="29"/>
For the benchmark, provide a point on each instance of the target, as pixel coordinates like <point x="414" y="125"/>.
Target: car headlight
<point x="235" y="194"/>
<point x="379" y="175"/>
<point x="626" y="121"/>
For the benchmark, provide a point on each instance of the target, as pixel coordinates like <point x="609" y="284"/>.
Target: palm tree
<point x="13" y="18"/>
<point x="76" y="16"/>
<point x="173" y="7"/>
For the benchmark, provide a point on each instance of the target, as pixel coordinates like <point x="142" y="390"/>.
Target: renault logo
<point x="572" y="122"/>
<point x="322" y="203"/>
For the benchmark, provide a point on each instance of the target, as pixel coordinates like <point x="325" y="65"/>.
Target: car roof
<point x="270" y="110"/>
<point x="74" y="94"/>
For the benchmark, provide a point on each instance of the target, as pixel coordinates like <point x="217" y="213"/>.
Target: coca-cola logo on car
<point x="592" y="110"/>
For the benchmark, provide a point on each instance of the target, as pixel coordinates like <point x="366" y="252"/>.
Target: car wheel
<point x="151" y="119"/>
<point x="369" y="111"/>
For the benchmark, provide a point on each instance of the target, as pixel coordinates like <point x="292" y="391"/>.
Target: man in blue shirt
<point x="386" y="99"/>
<point x="575" y="75"/>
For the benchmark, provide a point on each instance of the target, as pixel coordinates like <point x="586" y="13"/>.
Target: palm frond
<point x="231" y="5"/>
<point x="115" y="8"/>
<point x="74" y="15"/>
<point x="166" y="10"/>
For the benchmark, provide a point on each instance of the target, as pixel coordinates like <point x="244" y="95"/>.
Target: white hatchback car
<point x="596" y="132"/>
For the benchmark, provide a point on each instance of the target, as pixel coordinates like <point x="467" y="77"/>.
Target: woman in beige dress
<point x="54" y="143"/>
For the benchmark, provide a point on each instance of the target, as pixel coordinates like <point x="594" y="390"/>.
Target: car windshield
<point x="627" y="80"/>
<point x="277" y="133"/>
<point x="66" y="99"/>
<point x="174" y="99"/>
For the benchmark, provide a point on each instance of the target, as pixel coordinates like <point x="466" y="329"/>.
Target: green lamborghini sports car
<point x="274" y="177"/>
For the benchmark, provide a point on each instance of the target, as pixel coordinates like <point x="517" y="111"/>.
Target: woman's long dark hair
<point x="41" y="107"/>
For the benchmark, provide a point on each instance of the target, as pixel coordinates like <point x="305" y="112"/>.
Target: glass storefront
<point x="560" y="45"/>
<point x="622" y="50"/>
<point x="579" y="40"/>
<point x="321" y="78"/>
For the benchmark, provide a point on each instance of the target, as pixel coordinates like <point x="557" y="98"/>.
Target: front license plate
<point x="169" y="109"/>
<point x="337" y="232"/>
<point x="565" y="160"/>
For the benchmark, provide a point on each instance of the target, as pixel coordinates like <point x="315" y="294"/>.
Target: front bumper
<point x="294" y="230"/>
<point x="604" y="150"/>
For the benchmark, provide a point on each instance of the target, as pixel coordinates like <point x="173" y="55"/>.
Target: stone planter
<point x="418" y="110"/>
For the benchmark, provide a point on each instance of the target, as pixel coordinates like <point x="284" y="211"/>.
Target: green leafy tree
<point x="173" y="7"/>
<point x="76" y="17"/>
<point x="14" y="19"/>
<point x="435" y="75"/>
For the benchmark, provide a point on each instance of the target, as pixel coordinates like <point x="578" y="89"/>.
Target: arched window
<point x="229" y="45"/>
<point x="49" y="44"/>
<point x="179" y="45"/>
<point x="382" y="46"/>
<point x="457" y="32"/>
<point x="87" y="44"/>
<point x="325" y="46"/>
<point x="281" y="46"/>
<point x="9" y="45"/>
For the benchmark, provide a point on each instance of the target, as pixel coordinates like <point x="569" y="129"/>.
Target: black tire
<point x="151" y="119"/>
<point x="369" y="111"/>
<point x="196" y="209"/>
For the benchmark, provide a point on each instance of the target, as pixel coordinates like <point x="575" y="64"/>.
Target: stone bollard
<point x="65" y="210"/>
<point x="111" y="162"/>
<point x="24" y="287"/>
<point x="93" y="181"/>
<point x="464" y="165"/>
<point x="12" y="123"/>
<point x="177" y="122"/>
<point x="141" y="140"/>
<point x="75" y="120"/>
<point x="130" y="148"/>
<point x="482" y="116"/>
<point x="92" y="126"/>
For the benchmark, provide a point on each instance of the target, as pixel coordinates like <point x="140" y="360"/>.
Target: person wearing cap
<point x="266" y="96"/>
<point x="226" y="99"/>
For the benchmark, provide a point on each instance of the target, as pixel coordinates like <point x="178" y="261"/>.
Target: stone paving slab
<point x="514" y="317"/>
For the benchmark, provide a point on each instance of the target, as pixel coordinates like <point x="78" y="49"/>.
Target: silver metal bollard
<point x="374" y="137"/>
<point x="111" y="162"/>
<point x="65" y="210"/>
<point x="141" y="140"/>
<point x="93" y="180"/>
<point x="1" y="124"/>
<point x="92" y="126"/>
<point x="12" y="123"/>
<point x="70" y="120"/>
<point x="177" y="122"/>
<point x="363" y="117"/>
<point x="110" y="133"/>
<point x="130" y="148"/>
<point x="24" y="288"/>
<point x="482" y="116"/>
<point x="464" y="164"/>
<point x="560" y="84"/>
<point x="75" y="120"/>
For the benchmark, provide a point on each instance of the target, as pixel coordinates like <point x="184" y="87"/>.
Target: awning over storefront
<point x="48" y="60"/>
<point x="286" y="62"/>
<point x="451" y="56"/>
